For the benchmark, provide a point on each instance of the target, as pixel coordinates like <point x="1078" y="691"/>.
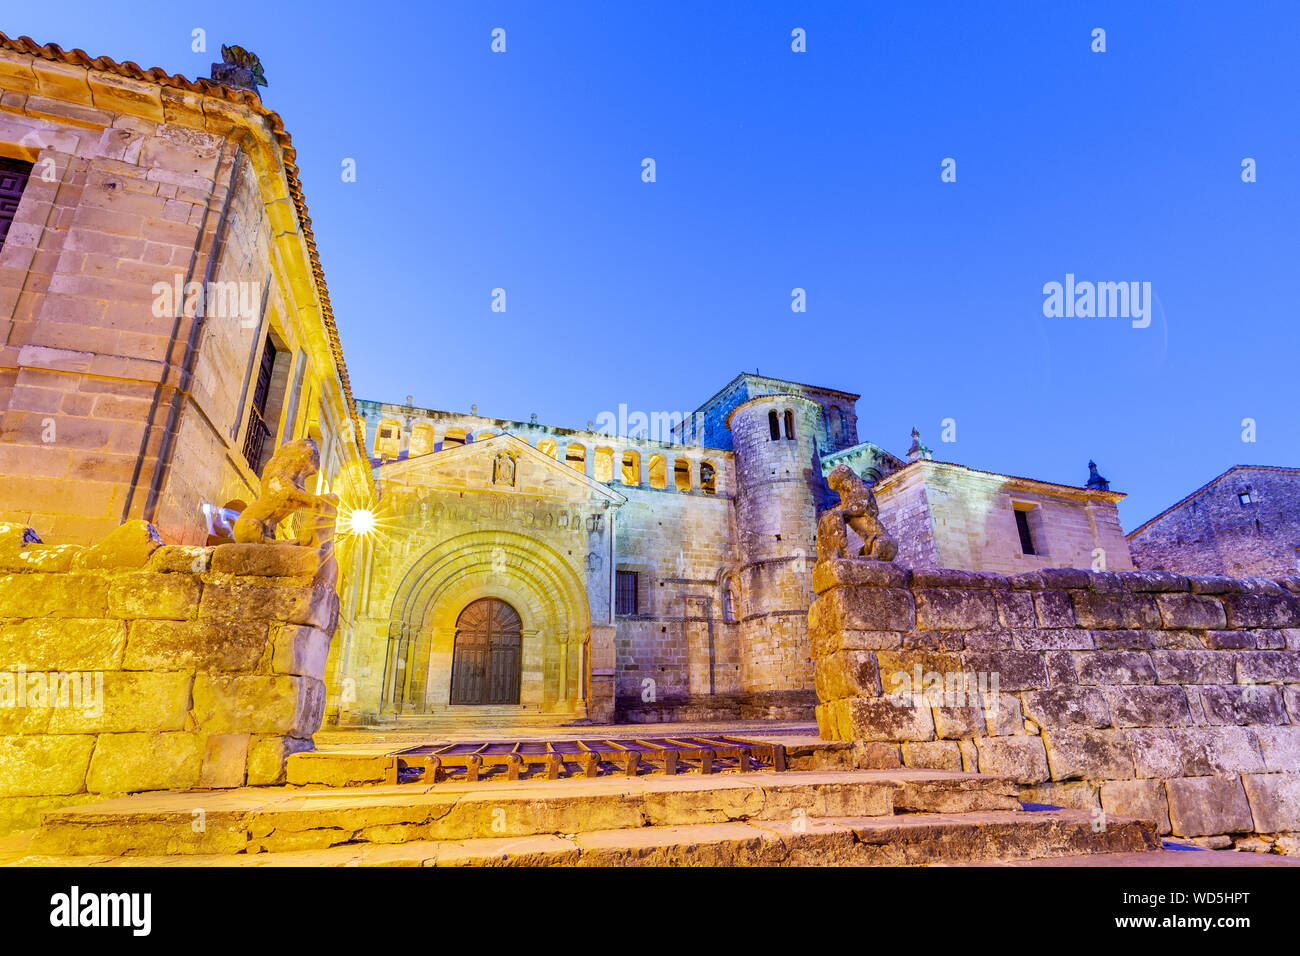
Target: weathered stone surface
<point x="1016" y="609"/>
<point x="1142" y="706"/>
<point x="1280" y="747"/>
<point x="836" y="572"/>
<point x="881" y="720"/>
<point x="1115" y="667"/>
<point x="37" y="766"/>
<point x="1193" y="667"/>
<point x="955" y="609"/>
<point x="127" y="547"/>
<point x="267" y="757"/>
<point x="225" y="760"/>
<point x="316" y="606"/>
<point x="1157" y="752"/>
<point x="1015" y="670"/>
<point x="1155" y="581"/>
<point x="130" y="763"/>
<point x="842" y="674"/>
<point x="1143" y="799"/>
<point x="1262" y="610"/>
<point x="53" y="595"/>
<point x="131" y="701"/>
<point x="180" y="558"/>
<point x="1060" y="668"/>
<point x="1064" y="578"/>
<point x="1210" y="751"/>
<point x="277" y="560"/>
<point x="925" y="578"/>
<point x="1055" y="609"/>
<point x="1105" y="609"/>
<point x="146" y="595"/>
<point x="1001" y="640"/>
<point x="1269" y="666"/>
<point x="280" y="704"/>
<point x="863" y="609"/>
<point x="1190" y="610"/>
<point x="1068" y="707"/>
<point x="1094" y="754"/>
<point x="1121" y="639"/>
<point x="1054" y="639"/>
<point x="1251" y="704"/>
<point x="51" y="644"/>
<point x="1027" y="581"/>
<point x="1274" y="801"/>
<point x="194" y="645"/>
<point x="932" y="755"/>
<point x="1021" y="758"/>
<point x="303" y="650"/>
<point x="825" y="641"/>
<point x="1213" y="584"/>
<point x="1208" y="805"/>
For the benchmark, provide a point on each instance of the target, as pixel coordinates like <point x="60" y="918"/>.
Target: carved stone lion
<point x="284" y="493"/>
<point x="857" y="510"/>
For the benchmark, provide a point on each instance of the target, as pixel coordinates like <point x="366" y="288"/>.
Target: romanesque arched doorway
<point x="487" y="654"/>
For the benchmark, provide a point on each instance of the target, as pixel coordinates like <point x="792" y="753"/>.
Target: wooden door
<point x="488" y="654"/>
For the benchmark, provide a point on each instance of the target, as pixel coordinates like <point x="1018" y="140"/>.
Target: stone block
<point x="1121" y="639"/>
<point x="1220" y="750"/>
<point x="127" y="702"/>
<point x="828" y="640"/>
<point x="1229" y="640"/>
<point x="1280" y="747"/>
<point x="988" y="640"/>
<point x="849" y="572"/>
<point x="278" y="704"/>
<point x="194" y="646"/>
<point x="955" y="609"/>
<point x="180" y="558"/>
<point x="1193" y="667"/>
<point x="303" y="651"/>
<point x="1054" y="639"/>
<point x="129" y="546"/>
<point x="1205" y="806"/>
<point x="864" y="609"/>
<point x="1067" y="707"/>
<point x="842" y="674"/>
<point x="41" y="765"/>
<point x="1143" y="799"/>
<point x="66" y="644"/>
<point x="1269" y="667"/>
<point x="1148" y="706"/>
<point x="1236" y="704"/>
<point x="172" y="597"/>
<point x="1154" y="581"/>
<point x="1055" y="609"/>
<point x="1063" y="578"/>
<point x="1262" y="610"/>
<point x="1115" y="667"/>
<point x="1191" y="610"/>
<point x="932" y="755"/>
<point x="315" y="606"/>
<point x="946" y="578"/>
<point x="1016" y="609"/>
<point x="1060" y="668"/>
<point x="1021" y="758"/>
<point x="1157" y="752"/>
<point x="1109" y="609"/>
<point x="53" y="595"/>
<point x="225" y="761"/>
<point x="277" y="560"/>
<point x="130" y="763"/>
<point x="880" y="719"/>
<point x="1015" y="670"/>
<point x="1091" y="754"/>
<point x="1274" y="801"/>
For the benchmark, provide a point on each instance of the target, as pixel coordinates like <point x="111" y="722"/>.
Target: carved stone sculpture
<point x="857" y="510"/>
<point x="284" y="493"/>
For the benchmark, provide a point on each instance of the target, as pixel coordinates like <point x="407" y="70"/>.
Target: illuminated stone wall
<point x="132" y="666"/>
<point x="1136" y="693"/>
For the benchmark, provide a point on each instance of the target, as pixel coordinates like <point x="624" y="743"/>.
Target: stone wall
<point x="1136" y="693"/>
<point x="133" y="666"/>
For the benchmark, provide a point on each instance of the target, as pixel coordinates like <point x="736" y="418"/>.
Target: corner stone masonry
<point x="1139" y="693"/>
<point x="211" y="660"/>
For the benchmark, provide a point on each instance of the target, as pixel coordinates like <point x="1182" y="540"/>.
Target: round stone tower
<point x="778" y="485"/>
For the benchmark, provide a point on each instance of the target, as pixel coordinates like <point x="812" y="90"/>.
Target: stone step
<point x="904" y="840"/>
<point x="261" y="819"/>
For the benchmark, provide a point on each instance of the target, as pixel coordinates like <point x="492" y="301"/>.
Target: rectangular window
<point x="258" y="429"/>
<point x="625" y="588"/>
<point x="1026" y="539"/>
<point x="1244" y="498"/>
<point x="14" y="174"/>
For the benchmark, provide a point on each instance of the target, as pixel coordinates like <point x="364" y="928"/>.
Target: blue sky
<point x="777" y="170"/>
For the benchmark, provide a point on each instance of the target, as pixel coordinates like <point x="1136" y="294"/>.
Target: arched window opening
<point x="730" y="599"/>
<point x="631" y="468"/>
<point x="575" y="456"/>
<point x="548" y="448"/>
<point x="388" y="439"/>
<point x="773" y="425"/>
<point x="453" y="438"/>
<point x="682" y="474"/>
<point x="708" y="478"/>
<point x="789" y="424"/>
<point x="603" y="466"/>
<point x="658" y="471"/>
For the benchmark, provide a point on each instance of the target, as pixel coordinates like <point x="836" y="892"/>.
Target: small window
<point x="454" y="437"/>
<point x="14" y="174"/>
<point x="1026" y="539"/>
<point x="658" y="472"/>
<point x="774" y="425"/>
<point x="575" y="456"/>
<point x="625" y="588"/>
<point x="708" y="478"/>
<point x="789" y="424"/>
<point x="1244" y="498"/>
<point x="682" y="474"/>
<point x="631" y="468"/>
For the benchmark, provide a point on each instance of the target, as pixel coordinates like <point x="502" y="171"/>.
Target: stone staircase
<point x="842" y="817"/>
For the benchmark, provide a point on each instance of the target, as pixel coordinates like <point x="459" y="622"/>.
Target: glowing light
<point x="361" y="522"/>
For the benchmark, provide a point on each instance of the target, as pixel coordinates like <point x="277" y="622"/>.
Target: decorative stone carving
<point x="503" y="469"/>
<point x="857" y="510"/>
<point x="284" y="493"/>
<point x="239" y="67"/>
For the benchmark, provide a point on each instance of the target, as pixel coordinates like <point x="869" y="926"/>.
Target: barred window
<point x="14" y="174"/>
<point x="625" y="588"/>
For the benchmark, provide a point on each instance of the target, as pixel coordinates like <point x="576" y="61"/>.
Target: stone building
<point x="164" y="321"/>
<point x="649" y="566"/>
<point x="1243" y="523"/>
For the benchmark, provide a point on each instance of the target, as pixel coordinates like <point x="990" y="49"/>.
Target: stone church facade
<point x="522" y="569"/>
